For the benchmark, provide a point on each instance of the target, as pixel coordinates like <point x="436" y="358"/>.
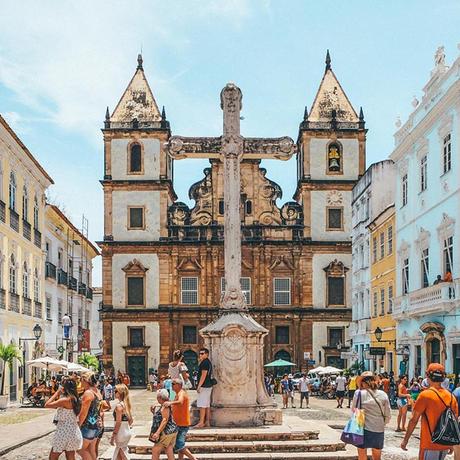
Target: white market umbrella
<point x="330" y="370"/>
<point x="74" y="367"/>
<point x="317" y="370"/>
<point x="45" y="362"/>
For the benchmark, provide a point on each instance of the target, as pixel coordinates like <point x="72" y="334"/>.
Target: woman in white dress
<point x="178" y="370"/>
<point x="67" y="437"/>
<point x="123" y="421"/>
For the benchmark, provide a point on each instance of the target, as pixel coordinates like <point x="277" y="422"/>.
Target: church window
<point x="135" y="291"/>
<point x="405" y="277"/>
<point x="248" y="207"/>
<point x="447" y="154"/>
<point x="334" y="158"/>
<point x="136" y="336"/>
<point x="12" y="192"/>
<point x="221" y="207"/>
<point x="25" y="204"/>
<point x="36" y="212"/>
<point x="423" y="173"/>
<point x="135" y="159"/>
<point x="335" y="337"/>
<point x="189" y="290"/>
<point x="136" y="218"/>
<point x="245" y="284"/>
<point x="336" y="290"/>
<point x="405" y="190"/>
<point x="425" y="267"/>
<point x="189" y="334"/>
<point x="282" y="291"/>
<point x="282" y="335"/>
<point x="25" y="282"/>
<point x="334" y="218"/>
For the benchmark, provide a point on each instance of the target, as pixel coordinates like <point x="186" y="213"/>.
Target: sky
<point x="63" y="62"/>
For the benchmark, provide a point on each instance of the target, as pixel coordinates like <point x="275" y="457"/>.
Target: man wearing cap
<point x="430" y="404"/>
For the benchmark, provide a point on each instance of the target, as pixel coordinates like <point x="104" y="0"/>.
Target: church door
<point x="136" y="370"/>
<point x="191" y="361"/>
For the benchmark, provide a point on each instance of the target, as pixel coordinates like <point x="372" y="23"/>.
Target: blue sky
<point x="62" y="63"/>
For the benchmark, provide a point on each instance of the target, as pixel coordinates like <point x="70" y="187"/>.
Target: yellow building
<point x="383" y="282"/>
<point x="23" y="183"/>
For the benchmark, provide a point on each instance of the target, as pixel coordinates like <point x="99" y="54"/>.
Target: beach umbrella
<point x="317" y="370"/>
<point x="74" y="367"/>
<point x="280" y="363"/>
<point x="45" y="362"/>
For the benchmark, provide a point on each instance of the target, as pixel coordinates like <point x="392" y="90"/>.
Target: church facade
<point x="163" y="261"/>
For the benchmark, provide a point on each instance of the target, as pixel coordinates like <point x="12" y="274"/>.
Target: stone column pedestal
<point x="235" y="341"/>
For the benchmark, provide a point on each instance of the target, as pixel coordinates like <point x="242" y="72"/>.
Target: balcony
<point x="62" y="277"/>
<point x="436" y="299"/>
<point x="37" y="238"/>
<point x="14" y="220"/>
<point x="72" y="283"/>
<point x="37" y="309"/>
<point x="26" y="230"/>
<point x="2" y="299"/>
<point x="26" y="306"/>
<point x="14" y="302"/>
<point x="89" y="293"/>
<point x="2" y="211"/>
<point x="82" y="288"/>
<point x="50" y="270"/>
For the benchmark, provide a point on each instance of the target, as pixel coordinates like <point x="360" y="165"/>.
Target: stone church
<point x="163" y="261"/>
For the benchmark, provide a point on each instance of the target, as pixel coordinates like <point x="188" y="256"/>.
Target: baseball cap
<point x="436" y="370"/>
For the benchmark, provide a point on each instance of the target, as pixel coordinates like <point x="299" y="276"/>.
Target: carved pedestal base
<point x="240" y="398"/>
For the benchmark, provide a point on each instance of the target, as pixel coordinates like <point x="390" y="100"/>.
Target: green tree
<point x="90" y="361"/>
<point x="7" y="354"/>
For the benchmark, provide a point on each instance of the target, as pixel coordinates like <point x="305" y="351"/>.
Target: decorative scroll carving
<point x="336" y="268"/>
<point x="134" y="267"/>
<point x="201" y="192"/>
<point x="178" y="214"/>
<point x="189" y="263"/>
<point x="447" y="227"/>
<point x="281" y="148"/>
<point x="292" y="213"/>
<point x="179" y="147"/>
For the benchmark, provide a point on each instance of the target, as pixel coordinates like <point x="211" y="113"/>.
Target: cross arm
<point x="180" y="147"/>
<point x="281" y="148"/>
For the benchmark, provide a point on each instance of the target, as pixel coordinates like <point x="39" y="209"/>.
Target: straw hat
<point x="365" y="374"/>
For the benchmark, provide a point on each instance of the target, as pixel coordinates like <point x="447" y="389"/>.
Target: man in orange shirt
<point x="181" y="414"/>
<point x="430" y="404"/>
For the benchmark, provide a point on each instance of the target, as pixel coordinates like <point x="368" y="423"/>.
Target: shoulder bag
<point x="353" y="433"/>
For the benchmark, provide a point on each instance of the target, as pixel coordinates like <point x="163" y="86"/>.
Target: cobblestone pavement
<point x="320" y="409"/>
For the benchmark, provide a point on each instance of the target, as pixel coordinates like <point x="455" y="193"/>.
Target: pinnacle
<point x="328" y="61"/>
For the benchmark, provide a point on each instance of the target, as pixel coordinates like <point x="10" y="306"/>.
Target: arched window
<point x="12" y="190"/>
<point x="25" y="204"/>
<point x="334" y="158"/>
<point x="36" y="212"/>
<point x="12" y="274"/>
<point x="135" y="159"/>
<point x="25" y="281"/>
<point x="36" y="286"/>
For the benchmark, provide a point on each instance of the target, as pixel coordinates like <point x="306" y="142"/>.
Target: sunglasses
<point x="202" y="353"/>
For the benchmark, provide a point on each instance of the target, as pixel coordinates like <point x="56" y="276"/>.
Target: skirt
<point x="121" y="441"/>
<point x="372" y="440"/>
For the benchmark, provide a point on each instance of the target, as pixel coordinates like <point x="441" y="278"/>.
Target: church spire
<point x="305" y="114"/>
<point x="328" y="61"/>
<point x="140" y="62"/>
<point x="107" y="118"/>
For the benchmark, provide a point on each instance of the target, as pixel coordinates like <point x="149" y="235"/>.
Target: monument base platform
<point x="294" y="439"/>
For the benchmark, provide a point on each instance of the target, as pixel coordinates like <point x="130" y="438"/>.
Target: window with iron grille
<point x="282" y="291"/>
<point x="390" y="239"/>
<point x="390" y="299"/>
<point x="382" y="301"/>
<point x="282" y="335"/>
<point x="423" y="173"/>
<point x="382" y="245"/>
<point x="447" y="154"/>
<point x="189" y="290"/>
<point x="425" y="267"/>
<point x="135" y="290"/>
<point x="245" y="283"/>
<point x="405" y="190"/>
<point x="189" y="334"/>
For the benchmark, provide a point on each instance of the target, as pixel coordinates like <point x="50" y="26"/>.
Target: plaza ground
<point x="32" y="429"/>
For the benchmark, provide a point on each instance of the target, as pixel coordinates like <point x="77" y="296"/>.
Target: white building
<point x="428" y="224"/>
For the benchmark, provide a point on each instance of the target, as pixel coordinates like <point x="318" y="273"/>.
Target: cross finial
<point x="361" y="118"/>
<point x="139" y="62"/>
<point x="328" y="61"/>
<point x="305" y="114"/>
<point x="163" y="113"/>
<point x="107" y="118"/>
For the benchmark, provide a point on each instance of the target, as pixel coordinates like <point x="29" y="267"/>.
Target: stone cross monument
<point x="235" y="339"/>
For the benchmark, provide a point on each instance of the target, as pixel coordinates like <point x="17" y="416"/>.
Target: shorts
<point x="340" y="394"/>
<point x="101" y="433"/>
<point x="372" y="440"/>
<point x="180" y="438"/>
<point x="304" y="395"/>
<point x="351" y="394"/>
<point x="204" y="398"/>
<point x="434" y="454"/>
<point x="401" y="402"/>
<point x="166" y="439"/>
<point x="89" y="433"/>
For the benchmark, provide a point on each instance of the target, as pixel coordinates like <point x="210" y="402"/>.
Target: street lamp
<point x="378" y="334"/>
<point x="101" y="344"/>
<point x="37" y="330"/>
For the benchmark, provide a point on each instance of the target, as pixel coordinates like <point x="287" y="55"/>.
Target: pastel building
<point x="427" y="204"/>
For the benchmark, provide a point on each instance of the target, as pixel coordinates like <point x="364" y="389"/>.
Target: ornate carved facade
<point x="163" y="261"/>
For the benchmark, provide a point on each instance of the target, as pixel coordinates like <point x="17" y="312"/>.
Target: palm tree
<point x="90" y="361"/>
<point x="7" y="354"/>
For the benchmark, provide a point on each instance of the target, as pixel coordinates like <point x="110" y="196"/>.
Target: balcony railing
<point x="27" y="306"/>
<point x="2" y="299"/>
<point x="37" y="309"/>
<point x="62" y="277"/>
<point x="14" y="302"/>
<point x="82" y="288"/>
<point x="2" y="211"/>
<point x="434" y="299"/>
<point x="14" y="220"/>
<point x="37" y="238"/>
<point x="26" y="230"/>
<point x="50" y="270"/>
<point x="72" y="283"/>
<point x="89" y="293"/>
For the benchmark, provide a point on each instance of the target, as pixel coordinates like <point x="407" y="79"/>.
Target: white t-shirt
<point x="340" y="382"/>
<point x="176" y="371"/>
<point x="303" y="385"/>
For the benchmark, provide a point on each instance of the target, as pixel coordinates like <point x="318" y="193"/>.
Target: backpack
<point x="447" y="431"/>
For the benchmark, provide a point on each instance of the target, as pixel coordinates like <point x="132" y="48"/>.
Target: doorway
<point x="137" y="370"/>
<point x="191" y="361"/>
